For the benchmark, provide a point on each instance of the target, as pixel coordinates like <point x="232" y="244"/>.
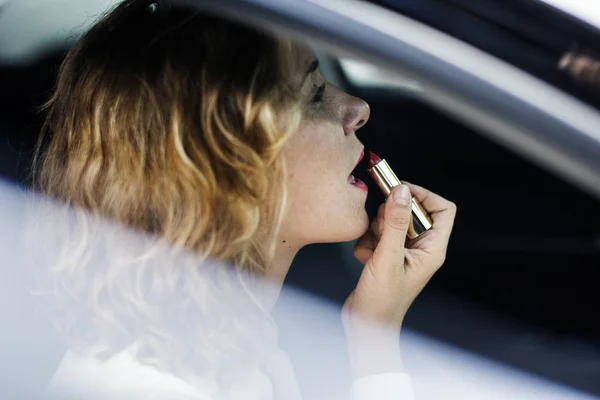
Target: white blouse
<point x="122" y="377"/>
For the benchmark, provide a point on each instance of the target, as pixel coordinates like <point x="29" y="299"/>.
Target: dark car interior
<point x="520" y="284"/>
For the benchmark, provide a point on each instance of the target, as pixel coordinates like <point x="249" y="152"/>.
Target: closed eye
<point x="319" y="95"/>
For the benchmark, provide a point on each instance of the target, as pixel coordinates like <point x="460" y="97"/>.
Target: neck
<point x="270" y="289"/>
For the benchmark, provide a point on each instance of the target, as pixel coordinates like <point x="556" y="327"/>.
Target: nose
<point x="357" y="115"/>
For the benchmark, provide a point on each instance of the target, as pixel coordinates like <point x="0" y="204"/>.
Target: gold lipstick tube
<point x="385" y="178"/>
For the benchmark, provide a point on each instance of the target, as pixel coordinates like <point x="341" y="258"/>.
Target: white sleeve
<point x="389" y="386"/>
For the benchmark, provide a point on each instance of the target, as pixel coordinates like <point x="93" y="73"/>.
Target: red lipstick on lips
<point x="386" y="179"/>
<point x="357" y="183"/>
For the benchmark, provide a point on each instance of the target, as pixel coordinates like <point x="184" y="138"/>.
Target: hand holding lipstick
<point x="395" y="270"/>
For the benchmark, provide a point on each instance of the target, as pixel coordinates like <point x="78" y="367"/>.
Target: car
<point x="481" y="102"/>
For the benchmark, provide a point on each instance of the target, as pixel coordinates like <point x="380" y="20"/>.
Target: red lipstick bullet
<point x="373" y="159"/>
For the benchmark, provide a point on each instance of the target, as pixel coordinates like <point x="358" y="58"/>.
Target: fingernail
<point x="401" y="195"/>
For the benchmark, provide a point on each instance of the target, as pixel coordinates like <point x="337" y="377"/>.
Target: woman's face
<point x="324" y="205"/>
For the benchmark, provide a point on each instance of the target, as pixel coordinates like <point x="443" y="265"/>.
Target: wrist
<point x="358" y="326"/>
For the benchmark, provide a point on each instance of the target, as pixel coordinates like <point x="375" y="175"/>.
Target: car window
<point x="365" y="75"/>
<point x="584" y="10"/>
<point x="531" y="35"/>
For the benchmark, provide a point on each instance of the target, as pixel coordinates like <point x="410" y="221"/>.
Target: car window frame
<point x="509" y="106"/>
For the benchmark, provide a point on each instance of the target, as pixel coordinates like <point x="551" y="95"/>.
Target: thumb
<point x="390" y="249"/>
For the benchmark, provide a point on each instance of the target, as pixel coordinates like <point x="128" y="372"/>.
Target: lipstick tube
<point x="386" y="179"/>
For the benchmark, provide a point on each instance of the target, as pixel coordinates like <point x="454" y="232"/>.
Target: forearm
<point x="376" y="365"/>
<point x="373" y="350"/>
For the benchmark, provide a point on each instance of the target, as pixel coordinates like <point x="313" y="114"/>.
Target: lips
<point x="353" y="180"/>
<point x="360" y="157"/>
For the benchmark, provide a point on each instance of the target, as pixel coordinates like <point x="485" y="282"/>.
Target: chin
<point x="357" y="229"/>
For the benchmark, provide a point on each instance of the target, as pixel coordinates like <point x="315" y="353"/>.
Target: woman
<point x="229" y="144"/>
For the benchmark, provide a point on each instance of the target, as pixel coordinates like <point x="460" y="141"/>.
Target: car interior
<point x="520" y="282"/>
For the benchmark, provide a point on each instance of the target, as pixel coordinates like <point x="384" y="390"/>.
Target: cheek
<point x="313" y="150"/>
<point x="311" y="177"/>
<point x="330" y="110"/>
<point x="315" y="158"/>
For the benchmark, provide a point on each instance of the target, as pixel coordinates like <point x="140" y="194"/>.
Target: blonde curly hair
<point x="170" y="122"/>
